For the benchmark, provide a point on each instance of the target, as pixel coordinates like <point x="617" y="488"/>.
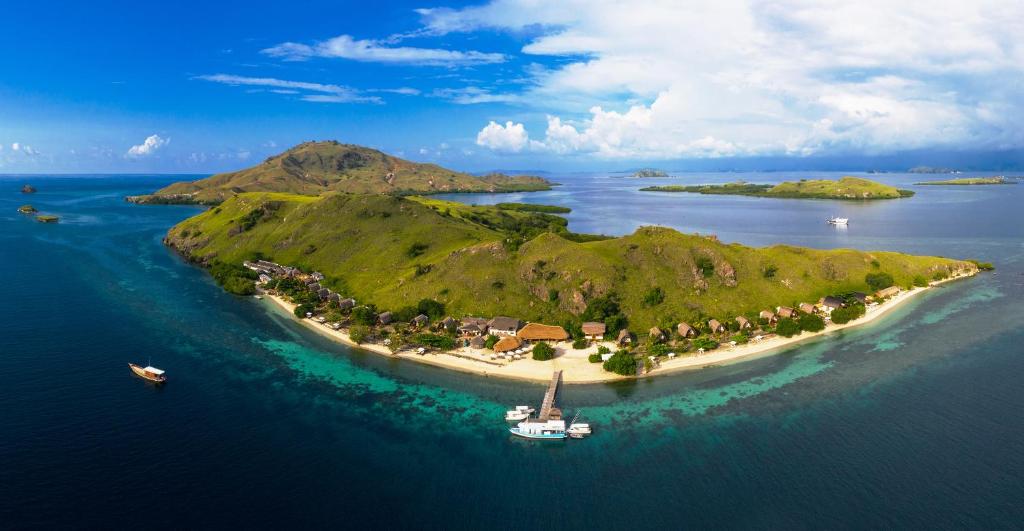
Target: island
<point x="649" y="172"/>
<point x="27" y="209"/>
<point x="312" y="168"/>
<point x="931" y="169"/>
<point x="846" y="188"/>
<point x="969" y="181"/>
<point x="507" y="290"/>
<point x="28" y="189"/>
<point x="47" y="218"/>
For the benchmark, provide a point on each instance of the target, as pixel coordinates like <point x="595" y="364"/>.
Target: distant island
<point x="969" y="181"/>
<point x="313" y="168"/>
<point x="46" y="218"/>
<point x="28" y="189"/>
<point x="930" y="169"/>
<point x="846" y="188"/>
<point x="649" y="172"/>
<point x="27" y="209"/>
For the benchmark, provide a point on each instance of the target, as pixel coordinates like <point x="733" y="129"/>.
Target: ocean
<point x="911" y="421"/>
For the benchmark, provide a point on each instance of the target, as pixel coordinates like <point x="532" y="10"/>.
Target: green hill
<point x="968" y="181"/>
<point x="848" y="188"/>
<point x="313" y="168"/>
<point x="390" y="250"/>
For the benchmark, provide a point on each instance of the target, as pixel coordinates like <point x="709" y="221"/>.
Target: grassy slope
<point x="361" y="243"/>
<point x="316" y="167"/>
<point x="844" y="188"/>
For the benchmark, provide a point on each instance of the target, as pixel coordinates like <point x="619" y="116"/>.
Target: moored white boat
<point x="544" y="430"/>
<point x="519" y="413"/>
<point x="838" y="221"/>
<point x="579" y="430"/>
<point x="148" y="372"/>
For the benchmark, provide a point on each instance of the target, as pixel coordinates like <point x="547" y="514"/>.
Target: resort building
<point x="594" y="331"/>
<point x="785" y="312"/>
<point x="860" y="297"/>
<point x="473" y="326"/>
<point x="384" y="318"/>
<point x="685" y="330"/>
<point x="744" y="323"/>
<point x="420" y="321"/>
<point x="887" y="292"/>
<point x="808" y="308"/>
<point x="507" y="344"/>
<point x="477" y="342"/>
<point x="347" y="304"/>
<point x="503" y="326"/>
<point x="715" y="326"/>
<point x="541" y="332"/>
<point x="624" y="338"/>
<point x="769" y="316"/>
<point x="656" y="334"/>
<point x="831" y="303"/>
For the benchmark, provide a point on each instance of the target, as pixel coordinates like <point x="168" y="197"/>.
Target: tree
<point x="580" y="344"/>
<point x="302" y="309"/>
<point x="365" y="315"/>
<point x="594" y="358"/>
<point x="705" y="343"/>
<point x="615" y="323"/>
<point x="359" y="333"/>
<point x="879" y="281"/>
<point x="740" y="338"/>
<point x="603" y="350"/>
<point x="431" y="308"/>
<point x="437" y="341"/>
<point x="847" y="313"/>
<point x="622" y="362"/>
<point x="811" y="323"/>
<point x="787" y="327"/>
<point x="654" y="296"/>
<point x="543" y="352"/>
<point x="491" y="341"/>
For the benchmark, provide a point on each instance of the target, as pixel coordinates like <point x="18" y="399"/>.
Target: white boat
<point x="838" y="221"/>
<point x="519" y="413"/>
<point x="535" y="429"/>
<point x="259" y="297"/>
<point x="579" y="430"/>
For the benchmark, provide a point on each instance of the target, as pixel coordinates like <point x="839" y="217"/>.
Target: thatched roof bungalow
<point x="624" y="338"/>
<point x="685" y="330"/>
<point x="744" y="323"/>
<point x="385" y="318"/>
<point x="542" y="332"/>
<point x="507" y="343"/>
<point x="887" y="292"/>
<point x="769" y="316"/>
<point x="347" y="304"/>
<point x="477" y="342"/>
<point x="420" y="320"/>
<point x="785" y="312"/>
<point x="808" y="308"/>
<point x="715" y="326"/>
<point x="594" y="330"/>
<point x="656" y="334"/>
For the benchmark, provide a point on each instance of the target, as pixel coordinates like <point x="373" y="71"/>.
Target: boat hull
<point x="537" y="436"/>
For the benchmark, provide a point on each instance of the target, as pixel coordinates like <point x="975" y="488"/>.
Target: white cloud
<point x="24" y="149"/>
<point x="472" y="95"/>
<point x="314" y="92"/>
<point x="15" y="146"/>
<point x="148" y="146"/>
<point x="375" y="51"/>
<point x="742" y="77"/>
<point x="508" y="138"/>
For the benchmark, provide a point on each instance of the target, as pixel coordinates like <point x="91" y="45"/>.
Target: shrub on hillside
<point x="436" y="341"/>
<point x="365" y="315"/>
<point x="811" y="323"/>
<point x="705" y="343"/>
<point x="359" y="333"/>
<point x="787" y="328"/>
<point x="543" y="352"/>
<point x="878" y="281"/>
<point x="848" y="313"/>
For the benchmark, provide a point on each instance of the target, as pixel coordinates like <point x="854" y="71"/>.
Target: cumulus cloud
<point x="148" y="146"/>
<point x="24" y="149"/>
<point x="658" y="79"/>
<point x="314" y="92"/>
<point x="508" y="138"/>
<point x="376" y="51"/>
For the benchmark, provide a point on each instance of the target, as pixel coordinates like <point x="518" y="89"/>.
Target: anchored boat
<point x="544" y="430"/>
<point x="148" y="372"/>
<point x="838" y="221"/>
<point x="519" y="413"/>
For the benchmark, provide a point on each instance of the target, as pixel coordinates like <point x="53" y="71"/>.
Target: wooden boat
<point x="148" y="372"/>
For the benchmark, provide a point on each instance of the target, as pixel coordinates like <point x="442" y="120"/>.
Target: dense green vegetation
<point x="844" y="188"/>
<point x="527" y="207"/>
<point x="313" y="168"/>
<point x="848" y="313"/>
<point x="649" y="172"/>
<point x="622" y="362"/>
<point x="234" y="278"/>
<point x="968" y="181"/>
<point x="879" y="280"/>
<point x="543" y="352"/>
<point x="477" y="260"/>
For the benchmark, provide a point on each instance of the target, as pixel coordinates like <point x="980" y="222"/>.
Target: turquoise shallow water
<point x="912" y="421"/>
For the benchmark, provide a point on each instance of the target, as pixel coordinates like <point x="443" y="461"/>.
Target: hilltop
<point x="847" y="188"/>
<point x="313" y="168"/>
<point x="388" y="250"/>
<point x="968" y="181"/>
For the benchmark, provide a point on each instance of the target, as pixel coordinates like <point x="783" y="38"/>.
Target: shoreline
<point x="574" y="364"/>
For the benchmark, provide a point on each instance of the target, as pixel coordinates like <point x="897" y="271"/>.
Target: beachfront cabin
<point x="887" y="292"/>
<point x="685" y="330"/>
<point x="831" y="303"/>
<point x="420" y="321"/>
<point x="347" y="304"/>
<point x="477" y="342"/>
<point x="785" y="312"/>
<point x="313" y="286"/>
<point x="507" y="344"/>
<point x="769" y="317"/>
<point x="541" y="332"/>
<point x="334" y="297"/>
<point x="473" y="326"/>
<point x="504" y="326"/>
<point x="324" y="294"/>
<point x="744" y="323"/>
<point x="625" y="338"/>
<point x="656" y="334"/>
<point x="716" y="327"/>
<point x="317" y="276"/>
<point x="265" y="278"/>
<point x="594" y="331"/>
<point x="808" y="308"/>
<point x="860" y="297"/>
<point x="385" y="318"/>
<point x="449" y="323"/>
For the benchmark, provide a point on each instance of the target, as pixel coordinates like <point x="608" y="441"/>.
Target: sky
<point x="192" y="87"/>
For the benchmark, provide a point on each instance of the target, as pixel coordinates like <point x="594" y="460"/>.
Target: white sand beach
<point x="575" y="366"/>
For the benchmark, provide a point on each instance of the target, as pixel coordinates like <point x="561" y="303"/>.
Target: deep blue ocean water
<point x="915" y="421"/>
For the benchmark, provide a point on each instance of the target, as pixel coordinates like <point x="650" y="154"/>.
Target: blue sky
<point x="190" y="87"/>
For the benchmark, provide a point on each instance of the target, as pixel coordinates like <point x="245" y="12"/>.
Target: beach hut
<point x="313" y="286"/>
<point x="385" y="318"/>
<point x="594" y="331"/>
<point x="449" y="323"/>
<point x="477" y="342"/>
<point x="507" y="344"/>
<point x="831" y="303"/>
<point x="744" y="323"/>
<point x="347" y="304"/>
<point x="624" y="338"/>
<point x="472" y="326"/>
<point x="887" y="292"/>
<point x="541" y="332"/>
<point x="504" y="326"/>
<point x="808" y="308"/>
<point x="860" y="297"/>
<point x="656" y="334"/>
<point x="420" y="321"/>
<point x="785" y="312"/>
<point x="768" y="316"/>
<point x="685" y="330"/>
<point x="317" y="276"/>
<point x="715" y="326"/>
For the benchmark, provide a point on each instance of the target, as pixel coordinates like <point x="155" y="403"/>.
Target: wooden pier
<point x="549" y="397"/>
